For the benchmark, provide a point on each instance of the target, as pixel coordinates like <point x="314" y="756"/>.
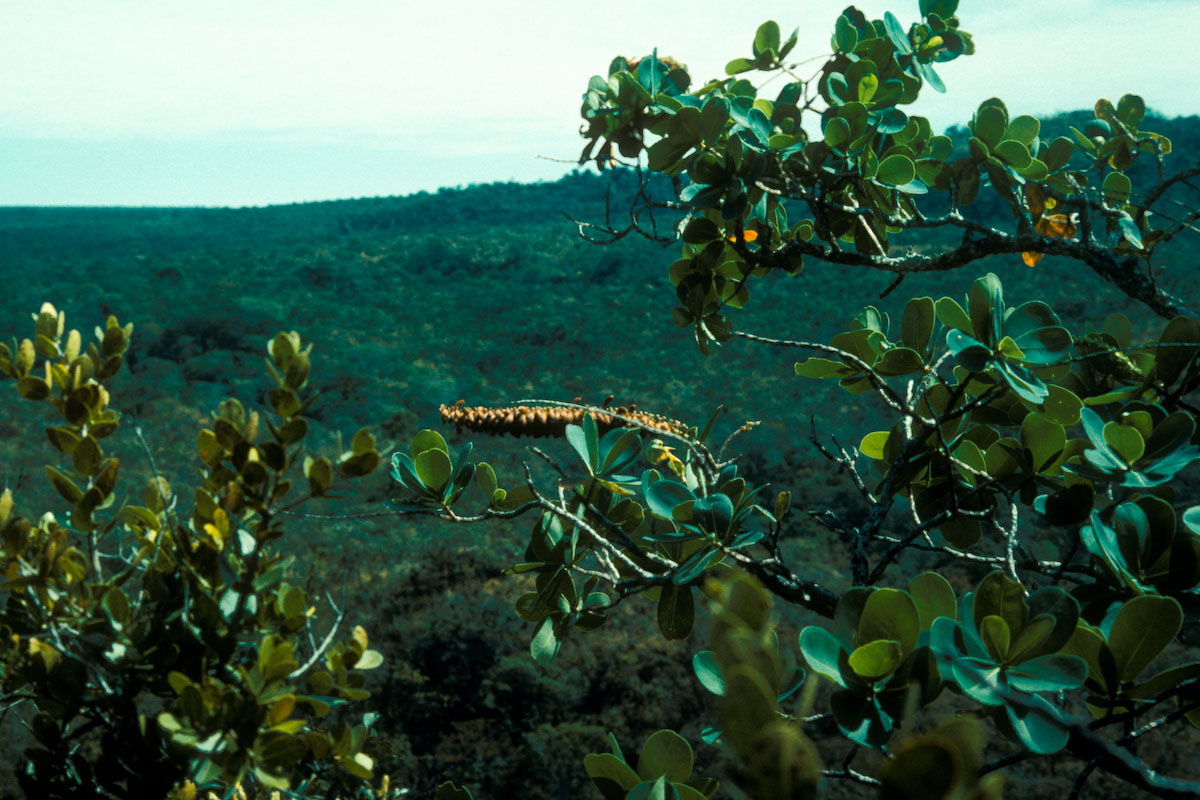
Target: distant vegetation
<point x="480" y="294"/>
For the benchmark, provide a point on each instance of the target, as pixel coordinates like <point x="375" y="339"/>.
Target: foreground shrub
<point x="987" y="415"/>
<point x="159" y="644"/>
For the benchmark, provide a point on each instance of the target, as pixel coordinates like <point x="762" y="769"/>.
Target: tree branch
<point x="1124" y="273"/>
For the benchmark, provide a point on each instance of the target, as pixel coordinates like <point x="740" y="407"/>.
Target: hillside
<point x="487" y="294"/>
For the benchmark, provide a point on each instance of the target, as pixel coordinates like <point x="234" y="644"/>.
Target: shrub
<point x="988" y="415"/>
<point x="1047" y="465"/>
<point x="158" y="646"/>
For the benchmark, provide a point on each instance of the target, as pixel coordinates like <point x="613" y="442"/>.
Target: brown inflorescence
<point x="550" y="420"/>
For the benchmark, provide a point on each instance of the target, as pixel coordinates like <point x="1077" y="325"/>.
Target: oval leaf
<point x="1143" y="628"/>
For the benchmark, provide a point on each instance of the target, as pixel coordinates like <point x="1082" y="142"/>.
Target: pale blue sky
<point x="247" y="102"/>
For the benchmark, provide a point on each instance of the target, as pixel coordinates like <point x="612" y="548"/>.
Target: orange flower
<point x="1054" y="226"/>
<point x="750" y="235"/>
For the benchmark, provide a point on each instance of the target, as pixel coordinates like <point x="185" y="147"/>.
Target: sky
<point x="250" y="102"/>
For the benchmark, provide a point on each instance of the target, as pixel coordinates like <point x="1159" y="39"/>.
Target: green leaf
<point x="1088" y="643"/>
<point x="665" y="153"/>
<point x="1058" y="154"/>
<point x="952" y="314"/>
<point x="545" y="644"/>
<point x="962" y="532"/>
<point x="1082" y="141"/>
<point x="708" y="673"/>
<point x="517" y="496"/>
<point x="1166" y="680"/>
<point x="1014" y="153"/>
<point x="896" y="170"/>
<point x="933" y="597"/>
<point x="668" y="754"/>
<point x="448" y="791"/>
<point x="1023" y="129"/>
<point x="663" y="496"/>
<point x="889" y="614"/>
<point x="1125" y="440"/>
<point x="1131" y="109"/>
<point x="940" y="147"/>
<point x="370" y="659"/>
<point x="692" y="568"/>
<point x="847" y="614"/>
<point x="823" y="368"/>
<point x="707" y="787"/>
<point x="485" y="477"/>
<point x="876" y="660"/>
<point x="676" y="612"/>
<point x="782" y="141"/>
<point x="873" y="443"/>
<point x="1117" y="187"/>
<point x="1157" y="144"/>
<point x="1062" y="406"/>
<point x="1171" y="362"/>
<point x="845" y="36"/>
<point x="86" y="456"/>
<point x="1000" y="595"/>
<point x="65" y="439"/>
<point x="66" y="488"/>
<point x="899" y="361"/>
<point x="429" y="440"/>
<point x="837" y="132"/>
<point x="896" y="33"/>
<point x="1053" y="602"/>
<point x="612" y="776"/>
<point x="116" y="607"/>
<point x="653" y="790"/>
<point x="713" y="513"/>
<point x="867" y="85"/>
<point x="739" y="65"/>
<point x="618" y="448"/>
<point x="32" y="388"/>
<point x="996" y="637"/>
<point x="1038" y="728"/>
<point x="1070" y="506"/>
<point x="916" y="326"/>
<point x="1142" y="629"/>
<point x="714" y="115"/>
<point x="585" y="443"/>
<point x="783" y="502"/>
<point x="1024" y="645"/>
<point x="1043" y="439"/>
<point x="433" y="469"/>
<point x="1050" y="673"/>
<point x="979" y="680"/>
<point x="821" y="651"/>
<point x="766" y="38"/>
<point x="986" y="305"/>
<point x="989" y="124"/>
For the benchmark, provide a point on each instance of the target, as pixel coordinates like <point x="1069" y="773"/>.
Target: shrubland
<point x="1010" y="563"/>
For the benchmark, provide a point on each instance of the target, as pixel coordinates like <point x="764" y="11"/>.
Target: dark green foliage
<point x="663" y="769"/>
<point x="1140" y="548"/>
<point x="147" y="651"/>
<point x="1145" y="448"/>
<point x="874" y="657"/>
<point x="1004" y="651"/>
<point x="943" y="764"/>
<point x="1007" y="340"/>
<point x="990" y="409"/>
<point x="1040" y="455"/>
<point x="776" y="758"/>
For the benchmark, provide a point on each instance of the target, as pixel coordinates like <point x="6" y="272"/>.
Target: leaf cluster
<point x="147" y="646"/>
<point x="994" y="415"/>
